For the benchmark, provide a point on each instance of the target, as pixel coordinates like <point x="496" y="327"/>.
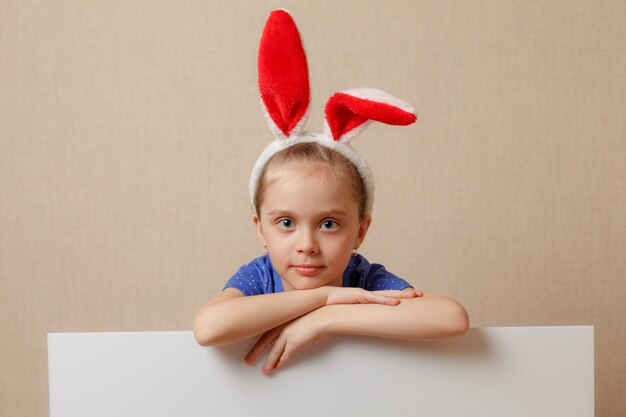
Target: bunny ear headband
<point x="284" y="87"/>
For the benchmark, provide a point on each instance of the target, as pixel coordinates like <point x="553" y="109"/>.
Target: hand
<point x="288" y="338"/>
<point x="309" y="329"/>
<point x="350" y="295"/>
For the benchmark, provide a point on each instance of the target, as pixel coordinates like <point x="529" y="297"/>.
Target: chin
<point x="303" y="283"/>
<point x="307" y="283"/>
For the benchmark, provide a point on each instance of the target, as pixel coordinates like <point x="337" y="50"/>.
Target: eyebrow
<point x="333" y="212"/>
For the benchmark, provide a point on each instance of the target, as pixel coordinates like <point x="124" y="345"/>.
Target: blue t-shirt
<point x="260" y="277"/>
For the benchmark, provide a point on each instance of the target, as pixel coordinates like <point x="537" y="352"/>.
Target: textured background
<point x="128" y="130"/>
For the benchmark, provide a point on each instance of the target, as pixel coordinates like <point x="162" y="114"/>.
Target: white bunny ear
<point x="350" y="112"/>
<point x="283" y="75"/>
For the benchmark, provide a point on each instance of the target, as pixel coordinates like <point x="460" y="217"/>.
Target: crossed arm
<point x="295" y="319"/>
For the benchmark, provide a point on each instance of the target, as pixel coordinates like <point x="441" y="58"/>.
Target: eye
<point x="286" y="223"/>
<point x="329" y="225"/>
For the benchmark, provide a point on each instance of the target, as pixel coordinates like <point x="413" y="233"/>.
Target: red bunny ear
<point x="283" y="75"/>
<point x="349" y="112"/>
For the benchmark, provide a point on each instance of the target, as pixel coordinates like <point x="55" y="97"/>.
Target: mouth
<point x="307" y="270"/>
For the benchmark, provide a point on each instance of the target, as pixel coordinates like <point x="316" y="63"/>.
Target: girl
<point x="312" y="197"/>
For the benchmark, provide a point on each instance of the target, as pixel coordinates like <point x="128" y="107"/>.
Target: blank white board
<point x="500" y="371"/>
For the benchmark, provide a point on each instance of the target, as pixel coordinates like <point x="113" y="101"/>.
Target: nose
<point x="307" y="243"/>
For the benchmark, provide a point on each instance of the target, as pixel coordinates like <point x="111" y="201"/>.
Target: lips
<point x="307" y="270"/>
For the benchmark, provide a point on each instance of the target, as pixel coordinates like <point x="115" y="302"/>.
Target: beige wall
<point x="128" y="129"/>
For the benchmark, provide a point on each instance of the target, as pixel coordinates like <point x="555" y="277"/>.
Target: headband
<point x="284" y="88"/>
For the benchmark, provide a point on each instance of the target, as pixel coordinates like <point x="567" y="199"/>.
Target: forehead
<point x="308" y="187"/>
<point x="303" y="169"/>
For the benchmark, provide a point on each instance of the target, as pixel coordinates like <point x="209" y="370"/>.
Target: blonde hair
<point x="314" y="152"/>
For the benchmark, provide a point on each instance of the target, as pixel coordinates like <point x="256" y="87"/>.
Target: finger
<point x="397" y="293"/>
<point x="261" y="345"/>
<point x="281" y="361"/>
<point x="413" y="292"/>
<point x="382" y="299"/>
<point x="392" y="297"/>
<point x="276" y="352"/>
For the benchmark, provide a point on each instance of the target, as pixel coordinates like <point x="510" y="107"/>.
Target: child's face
<point x="310" y="225"/>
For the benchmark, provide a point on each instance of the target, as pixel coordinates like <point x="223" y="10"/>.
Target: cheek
<point x="276" y="240"/>
<point x="340" y="244"/>
<point x="338" y="254"/>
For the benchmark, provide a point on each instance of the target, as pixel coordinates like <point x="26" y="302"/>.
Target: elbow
<point x="205" y="333"/>
<point x="202" y="339"/>
<point x="458" y="320"/>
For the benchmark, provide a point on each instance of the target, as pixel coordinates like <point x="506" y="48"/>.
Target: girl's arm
<point x="424" y="318"/>
<point x="232" y="317"/>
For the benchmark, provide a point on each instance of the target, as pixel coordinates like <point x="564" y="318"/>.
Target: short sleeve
<point x="255" y="278"/>
<point x="372" y="277"/>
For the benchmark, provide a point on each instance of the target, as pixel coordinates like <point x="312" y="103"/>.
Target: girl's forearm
<point x="240" y="318"/>
<point x="424" y="318"/>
